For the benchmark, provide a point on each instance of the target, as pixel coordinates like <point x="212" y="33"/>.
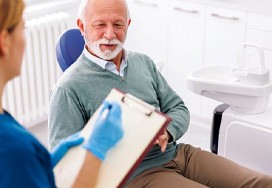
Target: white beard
<point x="107" y="54"/>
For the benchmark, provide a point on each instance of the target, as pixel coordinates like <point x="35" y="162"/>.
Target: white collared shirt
<point x="109" y="65"/>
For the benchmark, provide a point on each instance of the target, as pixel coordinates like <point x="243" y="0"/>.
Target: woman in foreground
<point x="24" y="162"/>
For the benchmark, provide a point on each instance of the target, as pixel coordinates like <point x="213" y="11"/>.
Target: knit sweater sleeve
<point x="172" y="105"/>
<point x="65" y="116"/>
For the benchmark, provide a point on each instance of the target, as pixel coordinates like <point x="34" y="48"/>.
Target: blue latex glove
<point x="107" y="130"/>
<point x="60" y="150"/>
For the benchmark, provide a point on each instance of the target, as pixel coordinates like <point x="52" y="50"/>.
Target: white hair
<point x="83" y="6"/>
<point x="81" y="9"/>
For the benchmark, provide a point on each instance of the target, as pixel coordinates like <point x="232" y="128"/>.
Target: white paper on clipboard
<point x="142" y="125"/>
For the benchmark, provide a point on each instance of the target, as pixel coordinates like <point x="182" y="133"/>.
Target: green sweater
<point x="84" y="86"/>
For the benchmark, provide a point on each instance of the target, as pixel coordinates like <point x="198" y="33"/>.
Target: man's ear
<point x="80" y="26"/>
<point x="4" y="42"/>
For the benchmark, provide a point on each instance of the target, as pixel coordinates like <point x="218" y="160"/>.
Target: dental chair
<point x="243" y="138"/>
<point x="69" y="47"/>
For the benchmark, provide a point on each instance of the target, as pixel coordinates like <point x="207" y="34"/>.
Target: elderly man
<point x="104" y="64"/>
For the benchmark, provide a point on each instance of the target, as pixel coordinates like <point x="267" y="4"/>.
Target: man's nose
<point x="110" y="33"/>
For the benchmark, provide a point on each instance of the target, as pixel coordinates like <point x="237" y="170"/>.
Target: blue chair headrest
<point x="69" y="47"/>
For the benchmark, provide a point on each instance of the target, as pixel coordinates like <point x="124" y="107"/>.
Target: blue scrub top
<point x="24" y="162"/>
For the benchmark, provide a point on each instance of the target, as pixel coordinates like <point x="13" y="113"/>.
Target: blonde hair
<point x="11" y="12"/>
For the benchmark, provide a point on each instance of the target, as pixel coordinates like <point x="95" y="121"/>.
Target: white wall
<point x="36" y="8"/>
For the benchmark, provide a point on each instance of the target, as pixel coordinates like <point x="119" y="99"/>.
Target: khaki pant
<point x="196" y="168"/>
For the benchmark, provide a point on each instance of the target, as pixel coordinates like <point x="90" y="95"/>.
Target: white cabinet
<point x="201" y="35"/>
<point x="147" y="32"/>
<point x="185" y="50"/>
<point x="224" y="36"/>
<point x="259" y="32"/>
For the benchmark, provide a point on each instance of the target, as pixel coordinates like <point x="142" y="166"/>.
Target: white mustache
<point x="105" y="41"/>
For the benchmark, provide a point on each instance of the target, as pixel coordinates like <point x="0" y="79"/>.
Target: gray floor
<point x="197" y="135"/>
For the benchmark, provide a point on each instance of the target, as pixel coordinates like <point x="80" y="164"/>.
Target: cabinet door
<point x="147" y="32"/>
<point x="225" y="35"/>
<point x="259" y="32"/>
<point x="185" y="51"/>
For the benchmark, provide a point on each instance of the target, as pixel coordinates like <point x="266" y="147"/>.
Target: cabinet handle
<point x="224" y="17"/>
<point x="184" y="10"/>
<point x="145" y="3"/>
